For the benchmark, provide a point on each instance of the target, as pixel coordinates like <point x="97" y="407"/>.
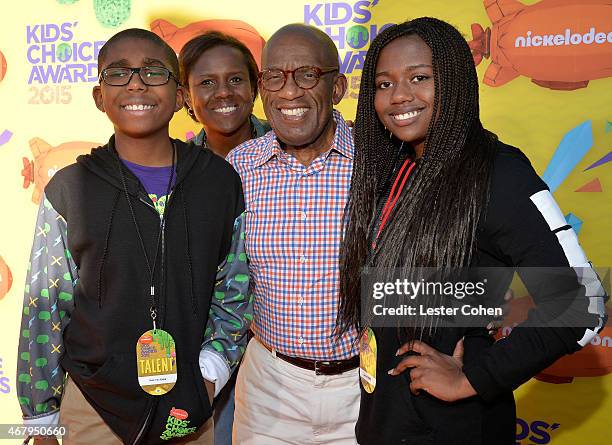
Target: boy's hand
<point x="210" y="389"/>
<point x="45" y="440"/>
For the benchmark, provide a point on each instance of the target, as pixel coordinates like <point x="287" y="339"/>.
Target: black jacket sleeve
<point x="527" y="230"/>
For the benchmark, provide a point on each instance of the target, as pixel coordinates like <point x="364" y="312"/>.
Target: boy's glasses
<point x="305" y="77"/>
<point x="150" y="75"/>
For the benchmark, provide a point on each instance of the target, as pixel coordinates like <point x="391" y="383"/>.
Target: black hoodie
<point x="111" y="296"/>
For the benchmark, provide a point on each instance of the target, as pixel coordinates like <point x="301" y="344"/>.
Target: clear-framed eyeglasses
<point x="150" y="75"/>
<point x="305" y="77"/>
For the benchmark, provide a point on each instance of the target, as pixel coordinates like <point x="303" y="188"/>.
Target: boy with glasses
<point x="126" y="257"/>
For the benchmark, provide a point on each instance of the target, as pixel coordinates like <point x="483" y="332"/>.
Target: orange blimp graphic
<point x="6" y="278"/>
<point x="177" y="37"/>
<point x="558" y="44"/>
<point x="48" y="160"/>
<point x="594" y="360"/>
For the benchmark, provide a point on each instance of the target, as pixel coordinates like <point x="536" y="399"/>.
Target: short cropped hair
<point x="140" y="34"/>
<point x="193" y="49"/>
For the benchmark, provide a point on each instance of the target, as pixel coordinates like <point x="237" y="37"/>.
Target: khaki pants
<point x="278" y="403"/>
<point x="86" y="427"/>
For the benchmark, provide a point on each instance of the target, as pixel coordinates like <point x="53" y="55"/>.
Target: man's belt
<point x="320" y="367"/>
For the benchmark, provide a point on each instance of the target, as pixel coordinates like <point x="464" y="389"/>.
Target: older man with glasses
<point x="298" y="383"/>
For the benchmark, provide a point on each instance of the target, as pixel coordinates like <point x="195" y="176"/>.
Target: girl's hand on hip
<point x="439" y="374"/>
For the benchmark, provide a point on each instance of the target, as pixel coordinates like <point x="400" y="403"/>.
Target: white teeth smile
<point x="294" y="111"/>
<point x="404" y="116"/>
<point x="138" y="107"/>
<point x="226" y="109"/>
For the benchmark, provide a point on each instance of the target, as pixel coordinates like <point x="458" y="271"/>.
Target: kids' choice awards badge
<point x="367" y="360"/>
<point x="156" y="360"/>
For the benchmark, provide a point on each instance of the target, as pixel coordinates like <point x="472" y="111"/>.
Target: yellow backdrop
<point x="542" y="65"/>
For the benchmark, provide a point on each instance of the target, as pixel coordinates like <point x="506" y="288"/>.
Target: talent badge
<point x="156" y="360"/>
<point x="367" y="360"/>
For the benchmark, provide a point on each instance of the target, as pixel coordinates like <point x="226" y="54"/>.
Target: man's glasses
<point x="150" y="75"/>
<point x="305" y="77"/>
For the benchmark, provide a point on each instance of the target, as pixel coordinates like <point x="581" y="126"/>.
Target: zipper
<point x="144" y="425"/>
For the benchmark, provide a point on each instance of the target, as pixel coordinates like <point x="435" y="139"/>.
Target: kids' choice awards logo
<point x="537" y="432"/>
<point x="5" y="381"/>
<point x="58" y="59"/>
<point x="349" y="24"/>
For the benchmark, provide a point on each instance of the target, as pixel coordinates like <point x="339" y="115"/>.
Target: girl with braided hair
<point x="432" y="188"/>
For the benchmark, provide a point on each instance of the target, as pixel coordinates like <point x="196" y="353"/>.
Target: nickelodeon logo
<point x="572" y="38"/>
<point x="594" y="360"/>
<point x="604" y="341"/>
<point x="567" y="38"/>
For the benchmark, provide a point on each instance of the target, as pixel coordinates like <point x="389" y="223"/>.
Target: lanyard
<point x="162" y="229"/>
<point x="396" y="191"/>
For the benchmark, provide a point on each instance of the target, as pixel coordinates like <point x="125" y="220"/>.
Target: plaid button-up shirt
<point x="293" y="227"/>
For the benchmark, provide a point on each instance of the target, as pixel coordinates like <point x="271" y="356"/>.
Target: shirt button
<point x="304" y="216"/>
<point x="300" y="340"/>
<point x="303" y="259"/>
<point x="300" y="300"/>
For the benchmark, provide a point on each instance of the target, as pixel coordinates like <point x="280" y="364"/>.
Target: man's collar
<point x="343" y="139"/>
<point x="343" y="142"/>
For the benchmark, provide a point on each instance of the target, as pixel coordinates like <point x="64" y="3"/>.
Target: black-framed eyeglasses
<point x="150" y="75"/>
<point x="305" y="77"/>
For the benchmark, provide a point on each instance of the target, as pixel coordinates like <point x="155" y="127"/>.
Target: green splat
<point x="164" y="339"/>
<point x="218" y="347"/>
<point x="24" y="401"/>
<point x="47" y="228"/>
<point x="241" y="235"/>
<point x="219" y="295"/>
<point x="24" y="378"/>
<point x="67" y="276"/>
<point x="44" y="293"/>
<point x="235" y="323"/>
<point x="25" y="333"/>
<point x="41" y="384"/>
<point x="65" y="296"/>
<point x="27" y="288"/>
<point x="26" y="310"/>
<point x="47" y="204"/>
<point x="41" y="407"/>
<point x="208" y="332"/>
<point x="248" y="317"/>
<point x="25" y="356"/>
<point x="242" y="278"/>
<point x="62" y="314"/>
<point x="45" y="270"/>
<point x="42" y="339"/>
<point x="44" y="315"/>
<point x="67" y="253"/>
<point x="242" y="257"/>
<point x="231" y="257"/>
<point x="40" y="362"/>
<point x="112" y="13"/>
<point x="239" y="297"/>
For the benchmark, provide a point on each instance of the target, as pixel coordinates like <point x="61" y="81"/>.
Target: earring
<point x="190" y="112"/>
<point x="390" y="134"/>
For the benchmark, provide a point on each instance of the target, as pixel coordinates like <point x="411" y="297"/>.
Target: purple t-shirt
<point x="154" y="180"/>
